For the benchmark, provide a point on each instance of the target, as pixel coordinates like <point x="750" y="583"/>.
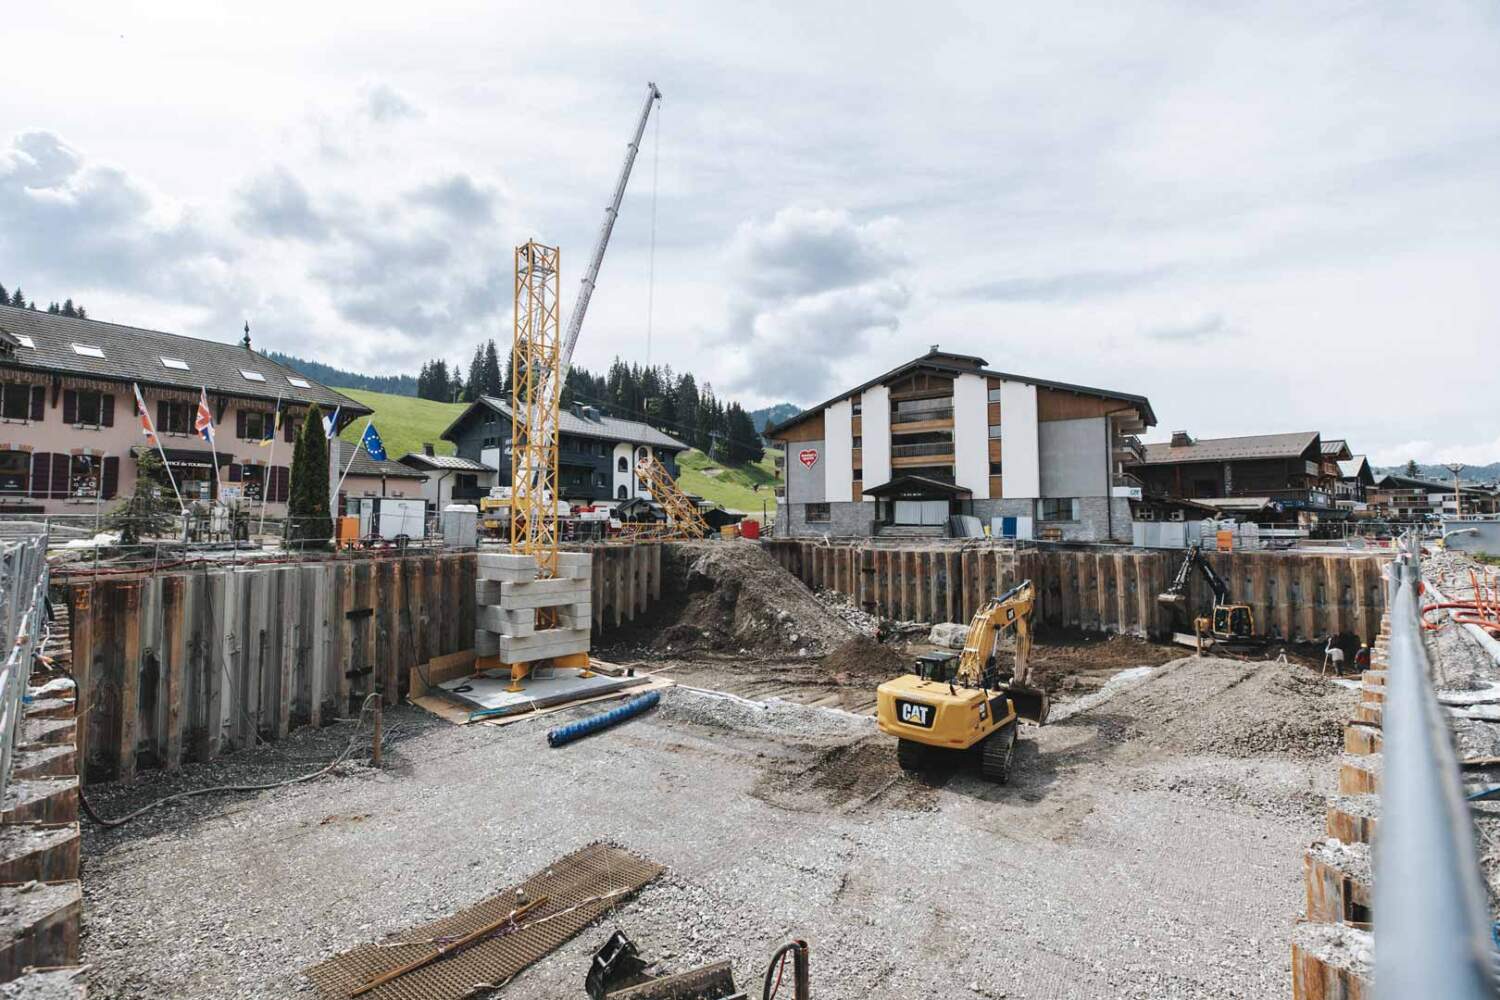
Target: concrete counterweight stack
<point x="523" y="620"/>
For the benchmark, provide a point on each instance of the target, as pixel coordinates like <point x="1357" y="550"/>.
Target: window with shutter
<point x="61" y="467"/>
<point x="280" y="484"/>
<point x="289" y="428"/>
<point x="111" y="476"/>
<point x="107" y="409"/>
<point x="239" y="424"/>
<point x="41" y="474"/>
<point x="38" y="402"/>
<point x="234" y="472"/>
<point x="70" y="406"/>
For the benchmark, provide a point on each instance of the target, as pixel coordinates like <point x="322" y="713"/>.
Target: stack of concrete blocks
<point x="508" y="595"/>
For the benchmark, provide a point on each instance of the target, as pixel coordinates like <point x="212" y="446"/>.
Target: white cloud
<point x="812" y="286"/>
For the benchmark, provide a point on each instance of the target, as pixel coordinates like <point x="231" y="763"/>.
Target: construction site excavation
<point x="606" y="685"/>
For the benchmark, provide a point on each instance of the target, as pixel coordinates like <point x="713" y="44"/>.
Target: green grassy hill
<point x="404" y="422"/>
<point x="733" y="487"/>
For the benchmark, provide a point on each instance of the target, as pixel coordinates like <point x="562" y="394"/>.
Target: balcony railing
<point x="916" y="416"/>
<point x="913" y="450"/>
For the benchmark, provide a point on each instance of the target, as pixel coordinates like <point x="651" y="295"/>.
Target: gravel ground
<point x="1110" y="867"/>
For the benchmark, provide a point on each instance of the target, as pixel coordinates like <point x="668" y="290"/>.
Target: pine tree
<point x="312" y="523"/>
<point x="474" y="385"/>
<point x="4" y="296"/>
<point x="494" y="382"/>
<point x="67" y="308"/>
<point x="82" y="314"/>
<point x="54" y="310"/>
<point x="1411" y="467"/>
<point x="149" y="510"/>
<point x="18" y="300"/>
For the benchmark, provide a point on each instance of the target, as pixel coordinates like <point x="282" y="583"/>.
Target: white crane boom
<point x="590" y="276"/>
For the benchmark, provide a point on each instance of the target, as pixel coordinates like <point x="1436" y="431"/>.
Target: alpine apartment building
<point x="69" y="436"/>
<point x="942" y="435"/>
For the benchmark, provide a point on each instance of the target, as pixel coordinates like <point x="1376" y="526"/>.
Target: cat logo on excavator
<point x="953" y="706"/>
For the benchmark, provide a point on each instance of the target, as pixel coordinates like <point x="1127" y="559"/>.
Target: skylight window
<point x="176" y="363"/>
<point x="253" y="376"/>
<point x="26" y="341"/>
<point x="88" y="351"/>
<point x="300" y="383"/>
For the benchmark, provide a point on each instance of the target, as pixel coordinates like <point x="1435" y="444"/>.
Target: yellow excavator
<point x="957" y="705"/>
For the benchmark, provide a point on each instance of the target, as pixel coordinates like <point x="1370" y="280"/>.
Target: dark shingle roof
<point x="608" y="428"/>
<point x="1229" y="448"/>
<point x="364" y="465"/>
<point x="132" y="354"/>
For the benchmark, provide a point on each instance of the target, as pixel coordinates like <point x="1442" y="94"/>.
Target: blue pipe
<point x="563" y="735"/>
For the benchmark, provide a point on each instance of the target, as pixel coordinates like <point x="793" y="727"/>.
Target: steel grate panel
<point x="572" y="885"/>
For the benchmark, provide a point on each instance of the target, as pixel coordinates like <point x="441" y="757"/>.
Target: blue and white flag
<point x="331" y="424"/>
<point x="373" y="444"/>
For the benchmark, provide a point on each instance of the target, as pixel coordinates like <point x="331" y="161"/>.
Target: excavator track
<point x="997" y="752"/>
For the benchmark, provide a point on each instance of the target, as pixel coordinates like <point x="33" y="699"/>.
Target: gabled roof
<point x="364" y="465"/>
<point x="1337" y="448"/>
<point x="908" y="485"/>
<point x="1356" y="468"/>
<point x="966" y="364"/>
<point x="607" y="428"/>
<point x="132" y="354"/>
<point x="1231" y="448"/>
<point x="447" y="463"/>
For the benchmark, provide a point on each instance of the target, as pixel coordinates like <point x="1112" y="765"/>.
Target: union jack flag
<point x="204" y="422"/>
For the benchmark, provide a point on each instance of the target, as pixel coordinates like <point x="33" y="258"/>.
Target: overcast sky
<point x="1264" y="217"/>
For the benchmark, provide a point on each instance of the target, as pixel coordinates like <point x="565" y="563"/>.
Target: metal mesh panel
<point x="573" y="886"/>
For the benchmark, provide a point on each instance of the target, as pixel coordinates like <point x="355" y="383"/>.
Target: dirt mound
<point x="1236" y="709"/>
<point x="737" y="598"/>
<point x="864" y="658"/>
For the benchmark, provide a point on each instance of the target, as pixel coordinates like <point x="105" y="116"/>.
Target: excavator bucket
<point x="1031" y="703"/>
<point x="1171" y="600"/>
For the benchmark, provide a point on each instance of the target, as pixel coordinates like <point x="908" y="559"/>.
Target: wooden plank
<point x="130" y="698"/>
<point x="175" y="654"/>
<point x="934" y="571"/>
<point x="1306" y="599"/>
<point x="1124" y="591"/>
<point x="81" y="622"/>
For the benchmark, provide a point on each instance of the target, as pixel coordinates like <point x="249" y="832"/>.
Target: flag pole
<point x="156" y="440"/>
<point x="213" y="448"/>
<point x="265" y="487"/>
<point x="358" y="445"/>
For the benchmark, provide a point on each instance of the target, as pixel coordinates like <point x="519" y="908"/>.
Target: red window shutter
<point x="234" y="472"/>
<point x="107" y="409"/>
<point x="38" y="402"/>
<point x="280" y="477"/>
<point x="111" y="475"/>
<point x="239" y="424"/>
<point x="41" y="474"/>
<point x="61" y="472"/>
<point x="288" y="428"/>
<point x="70" y="406"/>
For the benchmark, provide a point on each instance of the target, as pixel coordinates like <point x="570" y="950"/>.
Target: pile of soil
<point x="1237" y="709"/>
<point x="864" y="658"/>
<point x="736" y="598"/>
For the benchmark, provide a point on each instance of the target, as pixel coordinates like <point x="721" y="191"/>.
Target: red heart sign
<point x="808" y="457"/>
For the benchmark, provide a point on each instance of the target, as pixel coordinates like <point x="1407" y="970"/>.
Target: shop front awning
<point x="909" y="487"/>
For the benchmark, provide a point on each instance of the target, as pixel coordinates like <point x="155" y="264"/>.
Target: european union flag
<point x="373" y="444"/>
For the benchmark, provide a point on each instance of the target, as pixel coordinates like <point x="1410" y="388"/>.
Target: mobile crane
<point x="1231" y="624"/>
<point x="955" y="705"/>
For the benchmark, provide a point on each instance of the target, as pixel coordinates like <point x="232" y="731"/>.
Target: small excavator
<point x="957" y="705"/>
<point x="1232" y="625"/>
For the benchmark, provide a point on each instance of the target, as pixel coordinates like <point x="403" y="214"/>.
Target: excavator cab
<point x="1233" y="621"/>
